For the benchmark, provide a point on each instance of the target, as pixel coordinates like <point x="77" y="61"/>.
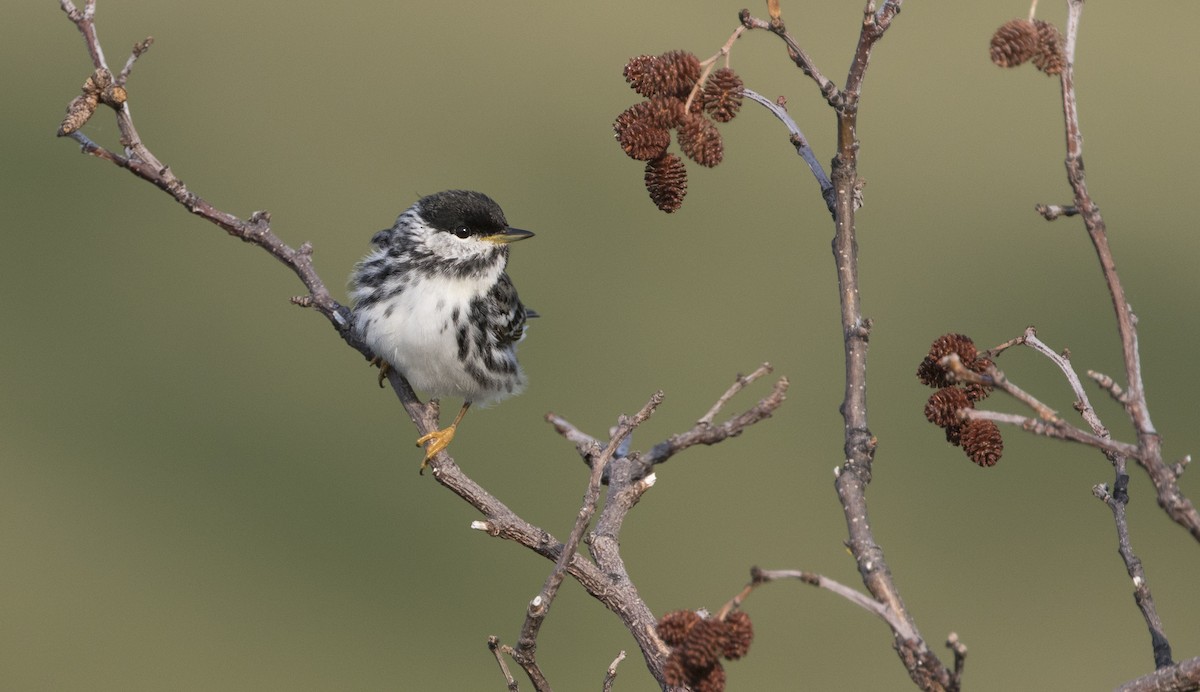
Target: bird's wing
<point x="510" y="314"/>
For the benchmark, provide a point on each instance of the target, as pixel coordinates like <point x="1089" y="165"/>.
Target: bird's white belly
<point x="416" y="333"/>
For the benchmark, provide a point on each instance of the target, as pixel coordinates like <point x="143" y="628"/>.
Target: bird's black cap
<point x="456" y="210"/>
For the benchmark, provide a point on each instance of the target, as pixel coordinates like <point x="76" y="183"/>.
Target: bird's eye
<point x="462" y="232"/>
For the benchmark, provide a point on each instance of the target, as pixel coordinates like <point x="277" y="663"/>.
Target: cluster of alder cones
<point x="676" y="100"/>
<point x="980" y="439"/>
<point x="1021" y="40"/>
<point x="697" y="645"/>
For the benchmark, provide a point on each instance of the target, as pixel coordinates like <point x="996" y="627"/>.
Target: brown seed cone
<point x="954" y="434"/>
<point x="946" y="344"/>
<point x="723" y="95"/>
<point x="741" y="633"/>
<point x="677" y="72"/>
<point x="979" y="392"/>
<point x="639" y="74"/>
<point x="1050" y="56"/>
<point x="710" y="680"/>
<point x="931" y="373"/>
<point x="700" y="141"/>
<point x="943" y="406"/>
<point x="704" y="644"/>
<point x="674" y="626"/>
<point x="673" y="73"/>
<point x="666" y="181"/>
<point x="666" y="111"/>
<point x="639" y="134"/>
<point x="1014" y="43"/>
<point x="638" y="112"/>
<point x="675" y="673"/>
<point x="982" y="442"/>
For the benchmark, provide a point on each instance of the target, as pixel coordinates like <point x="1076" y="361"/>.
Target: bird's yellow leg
<point x="440" y="439"/>
<point x="383" y="366"/>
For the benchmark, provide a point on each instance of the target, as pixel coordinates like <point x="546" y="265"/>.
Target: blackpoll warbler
<point x="432" y="300"/>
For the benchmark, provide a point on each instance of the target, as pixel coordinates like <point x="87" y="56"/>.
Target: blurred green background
<point x="203" y="489"/>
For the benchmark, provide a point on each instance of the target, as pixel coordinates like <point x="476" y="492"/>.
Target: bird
<point x="432" y="300"/>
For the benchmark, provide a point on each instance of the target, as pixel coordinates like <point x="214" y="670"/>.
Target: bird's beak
<point x="508" y="235"/>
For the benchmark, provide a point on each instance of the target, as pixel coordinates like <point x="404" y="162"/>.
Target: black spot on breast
<point x="464" y="344"/>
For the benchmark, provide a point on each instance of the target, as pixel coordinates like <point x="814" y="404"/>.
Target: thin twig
<point x="880" y="610"/>
<point x="1082" y="403"/>
<point x="994" y="351"/>
<point x="709" y="64"/>
<point x="1108" y="384"/>
<point x="798" y="140"/>
<point x="1050" y="212"/>
<point x="994" y="377"/>
<point x="540" y="605"/>
<point x="499" y="651"/>
<point x="738" y="385"/>
<point x="806" y="64"/>
<point x="960" y="656"/>
<point x="611" y="675"/>
<point x="1116" y="500"/>
<point x="706" y="434"/>
<point x="85" y="22"/>
<point x="1058" y="431"/>
<point x="139" y="49"/>
<point x="588" y="447"/>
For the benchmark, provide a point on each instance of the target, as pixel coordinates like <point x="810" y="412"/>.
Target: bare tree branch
<point x="806" y="64"/>
<point x="799" y="141"/>
<point x="540" y="605"/>
<point x="1170" y="497"/>
<point x="1058" y="431"/>
<point x="1181" y="677"/>
<point x="702" y="433"/>
<point x="144" y="164"/>
<point x="854" y="474"/>
<point x="1117" y="498"/>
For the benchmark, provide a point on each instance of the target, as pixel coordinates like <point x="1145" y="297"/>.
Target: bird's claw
<point x="438" y="440"/>
<point x="383" y="366"/>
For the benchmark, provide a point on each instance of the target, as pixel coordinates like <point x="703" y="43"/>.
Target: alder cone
<point x="666" y="181"/>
